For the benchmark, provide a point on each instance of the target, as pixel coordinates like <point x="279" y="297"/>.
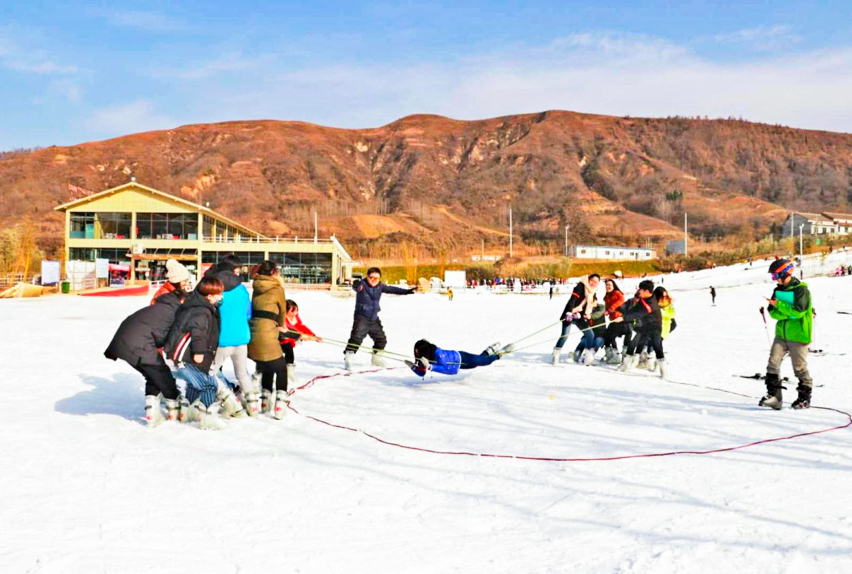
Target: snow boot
<point x="661" y="365"/>
<point x="292" y="381"/>
<point x="267" y="401"/>
<point x="231" y="407"/>
<point x="588" y="357"/>
<point x="209" y="417"/>
<point x="282" y="400"/>
<point x="377" y="360"/>
<point x="492" y="349"/>
<point x="172" y="409"/>
<point x="153" y="414"/>
<point x="773" y="393"/>
<point x="554" y="357"/>
<point x="629" y="363"/>
<point x="347" y="360"/>
<point x="804" y="399"/>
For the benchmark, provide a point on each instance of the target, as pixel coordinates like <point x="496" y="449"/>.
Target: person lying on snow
<point x="429" y="357"/>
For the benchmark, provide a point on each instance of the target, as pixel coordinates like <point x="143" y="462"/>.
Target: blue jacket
<point x="235" y="313"/>
<point x="446" y="363"/>
<point x="367" y="300"/>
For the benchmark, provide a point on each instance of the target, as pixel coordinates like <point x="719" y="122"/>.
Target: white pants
<point x="239" y="358"/>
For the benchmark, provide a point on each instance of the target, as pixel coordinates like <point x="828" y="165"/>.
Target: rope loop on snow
<point x="378" y="439"/>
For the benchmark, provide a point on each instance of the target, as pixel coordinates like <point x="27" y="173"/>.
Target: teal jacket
<point x="794" y="313"/>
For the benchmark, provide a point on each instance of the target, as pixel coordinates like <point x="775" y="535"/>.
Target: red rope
<point x="554" y="459"/>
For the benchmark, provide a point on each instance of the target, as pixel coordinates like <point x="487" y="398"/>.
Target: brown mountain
<point x="446" y="185"/>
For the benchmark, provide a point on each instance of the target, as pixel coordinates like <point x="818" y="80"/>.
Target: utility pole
<point x="566" y="239"/>
<point x="685" y="237"/>
<point x="801" y="251"/>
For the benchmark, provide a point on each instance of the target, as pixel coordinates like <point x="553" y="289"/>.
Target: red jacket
<point x="295" y="326"/>
<point x="164" y="288"/>
<point x="614" y="300"/>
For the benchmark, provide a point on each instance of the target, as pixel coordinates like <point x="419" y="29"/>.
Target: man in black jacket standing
<point x="366" y="320"/>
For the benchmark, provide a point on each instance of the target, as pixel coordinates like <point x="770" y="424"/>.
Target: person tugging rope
<point x="791" y="307"/>
<point x="429" y="357"/>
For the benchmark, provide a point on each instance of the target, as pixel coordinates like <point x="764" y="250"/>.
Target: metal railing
<point x="266" y="240"/>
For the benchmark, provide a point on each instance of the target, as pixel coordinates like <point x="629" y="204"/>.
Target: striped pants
<point x="198" y="385"/>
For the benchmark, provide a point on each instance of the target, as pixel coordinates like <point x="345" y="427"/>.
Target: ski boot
<point x="282" y="401"/>
<point x="773" y="393"/>
<point x="492" y="349"/>
<point x="209" y="418"/>
<point x="804" y="399"/>
<point x="252" y="404"/>
<point x="153" y="414"/>
<point x="172" y="409"/>
<point x="347" y="360"/>
<point x="185" y="408"/>
<point x="267" y="401"/>
<point x="576" y="355"/>
<point x="510" y="348"/>
<point x="614" y="356"/>
<point x="644" y="361"/>
<point x="588" y="357"/>
<point x="628" y="363"/>
<point x="661" y="366"/>
<point x="292" y="381"/>
<point x="230" y="406"/>
<point x="377" y="360"/>
<point x="554" y="357"/>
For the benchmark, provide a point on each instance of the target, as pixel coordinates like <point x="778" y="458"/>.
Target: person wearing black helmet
<point x="791" y="307"/>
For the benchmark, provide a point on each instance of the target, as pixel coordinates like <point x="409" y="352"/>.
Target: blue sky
<point x="76" y="71"/>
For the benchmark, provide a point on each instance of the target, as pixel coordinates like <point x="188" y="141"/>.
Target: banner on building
<point x="102" y="268"/>
<point x="50" y="272"/>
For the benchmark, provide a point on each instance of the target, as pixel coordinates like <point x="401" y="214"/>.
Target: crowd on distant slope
<point x="188" y="334"/>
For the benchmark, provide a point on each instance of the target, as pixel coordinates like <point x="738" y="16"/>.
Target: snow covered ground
<point x="85" y="486"/>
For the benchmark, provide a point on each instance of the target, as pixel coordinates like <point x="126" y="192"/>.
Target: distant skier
<point x="450" y="293"/>
<point x="713" y="295"/>
<point x="577" y="310"/>
<point x="792" y="308"/>
<point x="366" y="320"/>
<point x="429" y="357"/>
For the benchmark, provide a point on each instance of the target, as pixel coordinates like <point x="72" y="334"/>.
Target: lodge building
<point x="142" y="227"/>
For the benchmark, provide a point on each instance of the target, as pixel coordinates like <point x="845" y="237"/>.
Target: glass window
<point x="167" y="226"/>
<point x="114" y="225"/>
<point x="82" y="225"/>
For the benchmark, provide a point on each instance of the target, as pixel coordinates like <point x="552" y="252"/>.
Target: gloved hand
<point x="424" y="363"/>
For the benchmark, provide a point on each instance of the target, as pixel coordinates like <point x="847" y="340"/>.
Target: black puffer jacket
<point x="194" y="332"/>
<point x="367" y="298"/>
<point x="224" y="273"/>
<point x="644" y="315"/>
<point x="142" y="333"/>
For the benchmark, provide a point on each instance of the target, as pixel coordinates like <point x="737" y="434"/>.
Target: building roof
<point x="169" y="197"/>
<point x="838" y="216"/>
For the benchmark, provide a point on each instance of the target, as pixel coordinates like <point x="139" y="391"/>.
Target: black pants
<point x="158" y="379"/>
<point x="289" y="354"/>
<point x="613" y="332"/>
<point x="361" y="327"/>
<point x="273" y="371"/>
<point x="654" y="339"/>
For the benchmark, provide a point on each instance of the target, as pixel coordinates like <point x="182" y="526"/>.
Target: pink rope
<point x="311" y="382"/>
